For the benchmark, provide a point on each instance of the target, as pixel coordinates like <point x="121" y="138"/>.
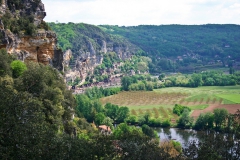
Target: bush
<point x="178" y="109"/>
<point x="166" y="123"/>
<point x="148" y="131"/>
<point x="177" y="146"/>
<point x="18" y="67"/>
<point x="131" y="119"/>
<point x="154" y="122"/>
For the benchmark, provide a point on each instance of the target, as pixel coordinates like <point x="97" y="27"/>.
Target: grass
<point x="232" y="98"/>
<point x="207" y="94"/>
<point x="149" y="106"/>
<point x="199" y="107"/>
<point x="163" y="100"/>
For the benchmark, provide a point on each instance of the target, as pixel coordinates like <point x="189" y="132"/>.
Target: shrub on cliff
<point x="18" y="67"/>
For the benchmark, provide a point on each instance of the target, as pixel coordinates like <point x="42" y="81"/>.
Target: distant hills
<point x="173" y="48"/>
<point x="178" y="47"/>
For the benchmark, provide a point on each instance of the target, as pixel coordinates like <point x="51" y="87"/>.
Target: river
<point x="181" y="135"/>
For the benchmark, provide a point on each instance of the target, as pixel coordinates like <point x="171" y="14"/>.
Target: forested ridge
<point x="176" y="40"/>
<point x="180" y="47"/>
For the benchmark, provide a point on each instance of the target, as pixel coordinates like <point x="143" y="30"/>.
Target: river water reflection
<point x="181" y="135"/>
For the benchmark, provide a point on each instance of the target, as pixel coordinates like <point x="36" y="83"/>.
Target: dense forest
<point x="176" y="40"/>
<point x="178" y="47"/>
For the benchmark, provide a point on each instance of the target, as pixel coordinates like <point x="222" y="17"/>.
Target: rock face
<point x="83" y="65"/>
<point x="38" y="47"/>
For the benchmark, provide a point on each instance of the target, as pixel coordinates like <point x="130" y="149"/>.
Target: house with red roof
<point x="106" y="130"/>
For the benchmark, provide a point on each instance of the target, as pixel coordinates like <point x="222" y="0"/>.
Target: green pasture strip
<point x="204" y="89"/>
<point x="203" y="98"/>
<point x="199" y="107"/>
<point x="206" y="93"/>
<point x="149" y="106"/>
<point x="230" y="98"/>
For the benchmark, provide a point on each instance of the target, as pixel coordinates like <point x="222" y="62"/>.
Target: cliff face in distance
<point x="85" y="46"/>
<point x="24" y="33"/>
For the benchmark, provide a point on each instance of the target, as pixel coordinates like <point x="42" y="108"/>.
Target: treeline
<point x="147" y="119"/>
<point x="94" y="111"/>
<point x="89" y="107"/>
<point x="96" y="93"/>
<point x="208" y="78"/>
<point x="139" y="83"/>
<point x="219" y="120"/>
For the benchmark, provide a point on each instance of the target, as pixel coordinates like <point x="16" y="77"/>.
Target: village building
<point x="106" y="130"/>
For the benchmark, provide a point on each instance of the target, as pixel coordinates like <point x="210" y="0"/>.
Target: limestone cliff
<point x="24" y="33"/>
<point x="87" y="61"/>
<point x="85" y="49"/>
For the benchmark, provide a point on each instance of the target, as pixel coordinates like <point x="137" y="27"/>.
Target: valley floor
<point x="160" y="102"/>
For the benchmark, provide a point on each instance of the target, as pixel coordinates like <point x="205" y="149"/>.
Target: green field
<point x="234" y="98"/>
<point x="159" y="103"/>
<point x="208" y="95"/>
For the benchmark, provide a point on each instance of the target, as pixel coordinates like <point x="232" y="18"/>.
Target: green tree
<point x="204" y="121"/>
<point x="122" y="114"/>
<point x="148" y="131"/>
<point x="141" y="120"/>
<point x="131" y="119"/>
<point x="23" y="131"/>
<point x="220" y="116"/>
<point x="178" y="109"/>
<point x="200" y="122"/>
<point x="111" y="111"/>
<point x="121" y="129"/>
<point x="108" y="121"/>
<point x="5" y="61"/>
<point x="185" y="121"/>
<point x="142" y="67"/>
<point x="99" y="118"/>
<point x="161" y="76"/>
<point x="126" y="82"/>
<point x="196" y="80"/>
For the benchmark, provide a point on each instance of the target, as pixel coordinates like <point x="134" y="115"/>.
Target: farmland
<point x="159" y="103"/>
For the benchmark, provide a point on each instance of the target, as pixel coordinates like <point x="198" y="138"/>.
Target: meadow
<point x="160" y="102"/>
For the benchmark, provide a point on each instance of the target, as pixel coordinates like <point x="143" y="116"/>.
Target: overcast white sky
<point x="137" y="12"/>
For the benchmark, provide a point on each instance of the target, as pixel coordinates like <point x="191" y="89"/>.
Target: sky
<point x="143" y="12"/>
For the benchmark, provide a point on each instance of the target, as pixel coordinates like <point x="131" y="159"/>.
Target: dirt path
<point x="231" y="108"/>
